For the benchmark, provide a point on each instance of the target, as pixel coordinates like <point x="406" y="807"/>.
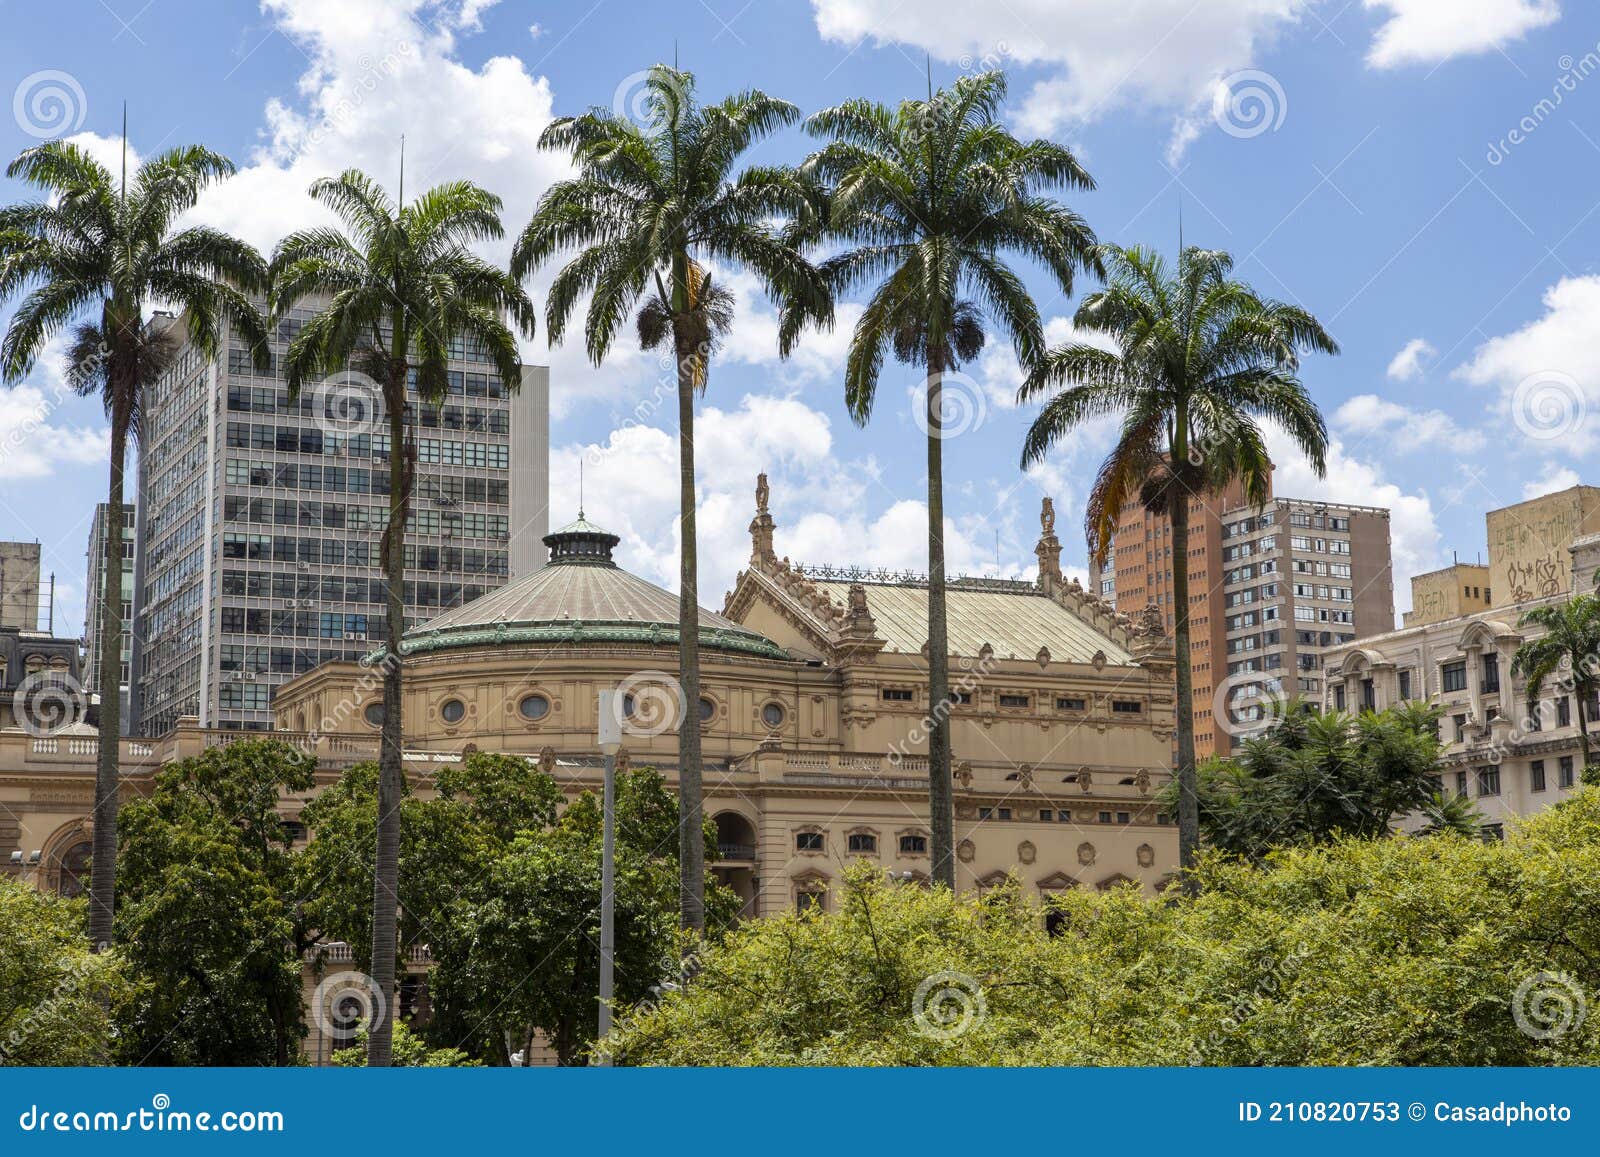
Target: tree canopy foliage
<point x="56" y="997"/>
<point x="1310" y="777"/>
<point x="208" y="919"/>
<point x="1403" y="951"/>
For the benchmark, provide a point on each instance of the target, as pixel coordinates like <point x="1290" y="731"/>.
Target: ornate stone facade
<point x="814" y="715"/>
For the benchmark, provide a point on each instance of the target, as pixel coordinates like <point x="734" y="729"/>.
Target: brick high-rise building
<point x="1270" y="588"/>
<point x="259" y="521"/>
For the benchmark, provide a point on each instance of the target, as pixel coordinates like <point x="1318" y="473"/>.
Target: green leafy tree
<point x="1201" y="361"/>
<point x="1441" y="951"/>
<point x="57" y="998"/>
<point x="1315" y="778"/>
<point x="1568" y="653"/>
<point x="651" y="208"/>
<point x="398" y="284"/>
<point x="410" y="1052"/>
<point x="536" y="958"/>
<point x="209" y="920"/>
<point x="503" y="887"/>
<point x="926" y="201"/>
<point x="93" y="254"/>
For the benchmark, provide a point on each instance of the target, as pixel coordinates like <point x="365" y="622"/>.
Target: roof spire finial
<point x="580" y="489"/>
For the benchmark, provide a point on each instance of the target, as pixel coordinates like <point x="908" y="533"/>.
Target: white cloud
<point x="1555" y="478"/>
<point x="1407" y="364"/>
<point x="33" y="441"/>
<point x="1372" y="416"/>
<point x="1413" y="528"/>
<point x="828" y="510"/>
<point x="1423" y="31"/>
<point x="378" y="69"/>
<point x="1548" y="371"/>
<point x="1163" y="54"/>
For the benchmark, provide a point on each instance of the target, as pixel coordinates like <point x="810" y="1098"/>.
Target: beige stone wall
<point x="1529" y="543"/>
<point x="1461" y="589"/>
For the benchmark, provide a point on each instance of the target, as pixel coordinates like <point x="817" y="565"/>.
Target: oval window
<point x="772" y="715"/>
<point x="453" y="711"/>
<point x="707" y="710"/>
<point x="374" y="713"/>
<point x="534" y="707"/>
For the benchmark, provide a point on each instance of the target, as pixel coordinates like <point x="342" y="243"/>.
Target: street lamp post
<point x="610" y="742"/>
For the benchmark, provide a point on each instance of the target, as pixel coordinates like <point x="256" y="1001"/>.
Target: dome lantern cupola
<point x="583" y="543"/>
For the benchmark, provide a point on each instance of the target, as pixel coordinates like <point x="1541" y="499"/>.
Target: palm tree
<point x="1200" y="359"/>
<point x="400" y="282"/>
<point x="93" y="254"/>
<point x="651" y="207"/>
<point x="1568" y="646"/>
<point x="926" y="199"/>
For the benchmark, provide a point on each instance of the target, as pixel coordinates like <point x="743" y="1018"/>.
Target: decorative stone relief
<point x="965" y="851"/>
<point x="1086" y="853"/>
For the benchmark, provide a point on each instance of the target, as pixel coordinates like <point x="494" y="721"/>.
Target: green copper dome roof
<point x="580" y="596"/>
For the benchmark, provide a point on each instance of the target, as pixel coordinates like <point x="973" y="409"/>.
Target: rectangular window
<point x="1491" y="673"/>
<point x="1405" y="685"/>
<point x="1126" y="706"/>
<point x="896" y="695"/>
<point x="808" y="842"/>
<point x="1070" y="703"/>
<point x="1461" y="784"/>
<point x="862" y="842"/>
<point x="1536" y="775"/>
<point x="1565" y="771"/>
<point x="1454" y="676"/>
<point x="913" y="845"/>
<point x="1013" y="700"/>
<point x="1563" y="712"/>
<point x="1488" y="781"/>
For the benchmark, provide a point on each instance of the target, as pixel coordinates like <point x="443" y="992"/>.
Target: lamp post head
<point x="610" y="722"/>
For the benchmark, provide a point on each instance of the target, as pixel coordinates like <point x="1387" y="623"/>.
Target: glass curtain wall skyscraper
<point x="259" y="520"/>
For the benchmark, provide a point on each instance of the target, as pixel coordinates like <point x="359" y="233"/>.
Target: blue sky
<point x="1421" y="174"/>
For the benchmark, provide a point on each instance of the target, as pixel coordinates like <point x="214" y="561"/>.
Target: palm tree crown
<point x="652" y="208"/>
<point x="926" y="200"/>
<point x="1566" y="653"/>
<point x="400" y="283"/>
<point x="1200" y="362"/>
<point x="93" y="254"/>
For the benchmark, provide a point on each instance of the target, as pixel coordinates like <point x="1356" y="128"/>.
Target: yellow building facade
<point x="813" y="709"/>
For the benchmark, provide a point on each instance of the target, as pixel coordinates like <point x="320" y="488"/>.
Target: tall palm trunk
<point x="1583" y="722"/>
<point x="691" y="808"/>
<point x="1188" y="788"/>
<point x="940" y="794"/>
<point x="103" y="864"/>
<point x="386" y="863"/>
